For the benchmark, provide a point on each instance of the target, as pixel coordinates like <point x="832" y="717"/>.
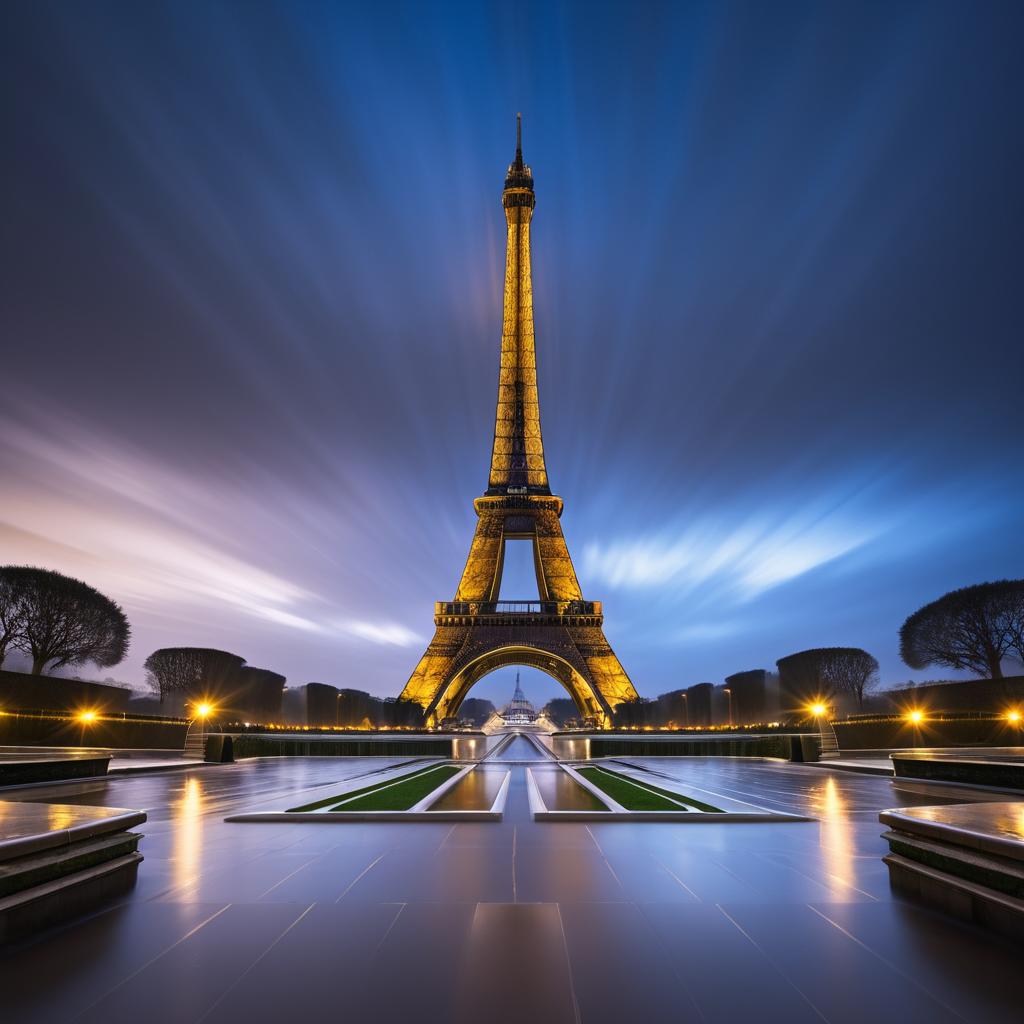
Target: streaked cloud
<point x="389" y="634"/>
<point x="746" y="560"/>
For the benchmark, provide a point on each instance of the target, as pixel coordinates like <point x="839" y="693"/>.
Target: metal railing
<point x="518" y="608"/>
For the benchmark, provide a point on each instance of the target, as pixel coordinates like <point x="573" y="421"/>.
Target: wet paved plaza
<point x="512" y="921"/>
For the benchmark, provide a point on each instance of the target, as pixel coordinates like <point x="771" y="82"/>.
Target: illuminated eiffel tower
<point x="560" y="633"/>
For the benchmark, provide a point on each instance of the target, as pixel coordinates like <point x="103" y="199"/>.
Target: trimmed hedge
<point x="1001" y="774"/>
<point x="897" y="732"/>
<point x="786" y="746"/>
<point x="56" y="730"/>
<point x="20" y="691"/>
<point x="16" y="773"/>
<point x="249" y="745"/>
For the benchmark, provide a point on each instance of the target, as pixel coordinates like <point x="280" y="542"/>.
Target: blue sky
<point x="252" y="296"/>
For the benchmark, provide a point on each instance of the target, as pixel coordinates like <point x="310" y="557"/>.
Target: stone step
<point x="957" y="896"/>
<point x="965" y="859"/>
<point x="47" y="865"/>
<point x="31" y="910"/>
<point x="1000" y="873"/>
<point x="60" y="860"/>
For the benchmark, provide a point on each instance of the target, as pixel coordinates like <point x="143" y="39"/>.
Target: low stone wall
<point x="41" y="730"/>
<point x="20" y="691"/>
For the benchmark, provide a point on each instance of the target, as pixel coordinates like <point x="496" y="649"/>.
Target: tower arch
<point x="558" y="668"/>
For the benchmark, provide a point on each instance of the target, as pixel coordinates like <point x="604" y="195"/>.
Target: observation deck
<point x="518" y="613"/>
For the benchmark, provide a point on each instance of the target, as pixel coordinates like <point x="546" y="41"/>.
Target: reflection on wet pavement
<point x="188" y="832"/>
<point x="476" y="791"/>
<point x="519" y="749"/>
<point x="561" y="792"/>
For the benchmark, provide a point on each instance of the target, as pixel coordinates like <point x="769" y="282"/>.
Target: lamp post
<point x="728" y="694"/>
<point x="203" y="709"/>
<point x="829" y="743"/>
<point x="85" y="718"/>
<point x="915" y="717"/>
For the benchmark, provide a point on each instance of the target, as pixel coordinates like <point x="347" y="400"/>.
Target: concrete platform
<point x="61" y="860"/>
<point x="964" y="859"/>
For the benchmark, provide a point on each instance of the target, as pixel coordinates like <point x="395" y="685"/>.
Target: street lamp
<point x="85" y="718"/>
<point x="728" y="694"/>
<point x="819" y="710"/>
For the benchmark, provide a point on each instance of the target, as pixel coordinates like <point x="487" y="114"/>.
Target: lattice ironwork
<point x="560" y="633"/>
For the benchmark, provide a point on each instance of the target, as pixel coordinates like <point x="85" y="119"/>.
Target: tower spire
<point x="518" y="696"/>
<point x="517" y="458"/>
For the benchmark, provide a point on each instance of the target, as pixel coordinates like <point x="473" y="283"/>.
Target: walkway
<point x="608" y="922"/>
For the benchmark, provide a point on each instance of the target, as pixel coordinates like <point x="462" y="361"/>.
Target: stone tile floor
<point x="514" y="921"/>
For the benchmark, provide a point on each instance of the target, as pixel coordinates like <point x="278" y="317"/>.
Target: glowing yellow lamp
<point x="1013" y="717"/>
<point x="87" y="716"/>
<point x="818" y="710"/>
<point x="915" y="717"/>
<point x="204" y="710"/>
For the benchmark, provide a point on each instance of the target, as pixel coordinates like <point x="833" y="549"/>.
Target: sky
<point x="252" y="263"/>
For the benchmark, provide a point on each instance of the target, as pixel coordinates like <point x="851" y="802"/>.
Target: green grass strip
<point x="402" y="795"/>
<point x="329" y="801"/>
<point x="637" y="796"/>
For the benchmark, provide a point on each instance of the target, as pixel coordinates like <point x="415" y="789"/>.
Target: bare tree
<point x="851" y="670"/>
<point x="973" y="628"/>
<point x="66" y="622"/>
<point x="1015" y="621"/>
<point x="197" y="673"/>
<point x="12" y="608"/>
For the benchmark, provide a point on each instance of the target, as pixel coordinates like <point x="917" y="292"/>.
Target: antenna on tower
<point x="519" y="139"/>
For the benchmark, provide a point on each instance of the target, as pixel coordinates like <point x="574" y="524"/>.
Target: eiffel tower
<point x="560" y="634"/>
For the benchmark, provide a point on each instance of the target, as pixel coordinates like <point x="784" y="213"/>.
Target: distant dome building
<point x="518" y="711"/>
